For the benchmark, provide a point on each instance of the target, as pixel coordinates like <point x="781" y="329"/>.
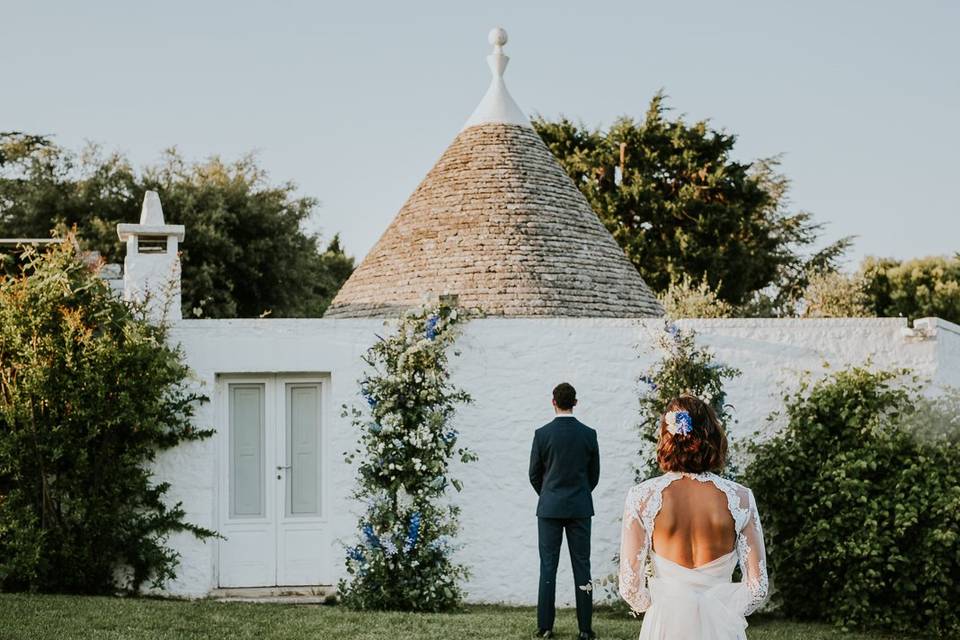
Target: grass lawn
<point x="37" y="617"/>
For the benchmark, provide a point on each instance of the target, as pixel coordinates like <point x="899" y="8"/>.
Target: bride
<point x="686" y="530"/>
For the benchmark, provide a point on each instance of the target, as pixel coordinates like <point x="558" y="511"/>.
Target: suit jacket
<point x="564" y="468"/>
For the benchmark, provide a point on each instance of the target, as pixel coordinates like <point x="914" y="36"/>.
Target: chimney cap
<point x="151" y="221"/>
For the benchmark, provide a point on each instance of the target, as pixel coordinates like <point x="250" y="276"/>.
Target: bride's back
<point x="684" y="532"/>
<point x="694" y="525"/>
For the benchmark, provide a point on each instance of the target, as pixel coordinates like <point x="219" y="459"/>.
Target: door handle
<point x="284" y="467"/>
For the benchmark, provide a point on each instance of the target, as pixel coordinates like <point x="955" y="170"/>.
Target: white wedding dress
<point x="691" y="604"/>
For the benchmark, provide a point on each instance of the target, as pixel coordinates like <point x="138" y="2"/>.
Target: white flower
<point x="671" y="419"/>
<point x="389" y="547"/>
<point x="404" y="499"/>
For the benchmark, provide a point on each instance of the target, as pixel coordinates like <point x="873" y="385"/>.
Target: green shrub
<point x="835" y="295"/>
<point x="917" y="288"/>
<point x="89" y="391"/>
<point x="860" y="502"/>
<point x="685" y="299"/>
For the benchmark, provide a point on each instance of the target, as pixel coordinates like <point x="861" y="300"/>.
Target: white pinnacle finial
<point x="152" y="211"/>
<point x="497" y="37"/>
<point x="497" y="106"/>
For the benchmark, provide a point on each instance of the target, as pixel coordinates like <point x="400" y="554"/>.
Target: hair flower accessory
<point x="678" y="422"/>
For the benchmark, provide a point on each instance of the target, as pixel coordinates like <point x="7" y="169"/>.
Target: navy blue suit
<point x="564" y="469"/>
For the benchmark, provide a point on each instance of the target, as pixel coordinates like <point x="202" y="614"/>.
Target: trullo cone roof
<point x="499" y="224"/>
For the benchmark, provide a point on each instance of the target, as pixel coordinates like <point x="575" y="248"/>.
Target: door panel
<point x="247" y="439"/>
<point x="247" y="557"/>
<point x="303" y="555"/>
<point x="303" y="450"/>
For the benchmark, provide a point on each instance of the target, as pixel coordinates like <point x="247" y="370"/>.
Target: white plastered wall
<point x="509" y="366"/>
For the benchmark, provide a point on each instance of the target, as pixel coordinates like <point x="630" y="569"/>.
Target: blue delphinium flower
<point x="355" y="553"/>
<point x="673" y="330"/>
<point x="431" y="331"/>
<point x="413" y="532"/>
<point x="450" y="436"/>
<point x="371" y="537"/>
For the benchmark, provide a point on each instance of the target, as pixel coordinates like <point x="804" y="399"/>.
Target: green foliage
<point x="89" y="392"/>
<point x="916" y="288"/>
<point x="245" y="253"/>
<point x="684" y="299"/>
<point x="835" y="295"/>
<point x="861" y="506"/>
<point x="404" y="557"/>
<point x="679" y="205"/>
<point x="685" y="367"/>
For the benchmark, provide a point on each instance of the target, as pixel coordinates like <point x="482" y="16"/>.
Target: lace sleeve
<point x="753" y="558"/>
<point x="632" y="582"/>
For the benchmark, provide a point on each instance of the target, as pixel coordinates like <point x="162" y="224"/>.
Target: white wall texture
<point x="510" y="366"/>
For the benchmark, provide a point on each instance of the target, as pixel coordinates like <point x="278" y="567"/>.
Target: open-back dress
<point x="681" y="603"/>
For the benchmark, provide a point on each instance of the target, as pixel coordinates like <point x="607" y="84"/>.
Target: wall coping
<point x="937" y="324"/>
<point x="287" y="323"/>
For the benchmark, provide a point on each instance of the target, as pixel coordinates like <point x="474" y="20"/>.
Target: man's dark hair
<point x="565" y="396"/>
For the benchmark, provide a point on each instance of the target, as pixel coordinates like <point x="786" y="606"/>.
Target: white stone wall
<point x="510" y="367"/>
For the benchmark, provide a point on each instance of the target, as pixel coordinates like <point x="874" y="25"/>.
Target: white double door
<point x="271" y="508"/>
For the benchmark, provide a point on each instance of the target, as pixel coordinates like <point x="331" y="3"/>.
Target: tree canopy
<point x="916" y="288"/>
<point x="246" y="251"/>
<point x="679" y="204"/>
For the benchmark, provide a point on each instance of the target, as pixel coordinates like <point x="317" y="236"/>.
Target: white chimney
<point x="151" y="267"/>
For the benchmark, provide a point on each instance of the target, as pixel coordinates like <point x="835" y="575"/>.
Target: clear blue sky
<point x="355" y="101"/>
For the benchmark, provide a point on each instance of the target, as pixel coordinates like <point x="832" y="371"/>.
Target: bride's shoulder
<point x="646" y="487"/>
<point x="723" y="482"/>
<point x="743" y="493"/>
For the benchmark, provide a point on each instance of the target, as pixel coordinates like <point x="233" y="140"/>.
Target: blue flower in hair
<point x="678" y="422"/>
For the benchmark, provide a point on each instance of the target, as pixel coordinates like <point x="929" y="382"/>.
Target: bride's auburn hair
<point x="703" y="449"/>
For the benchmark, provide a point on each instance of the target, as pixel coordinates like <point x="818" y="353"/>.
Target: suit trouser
<point x="550" y="532"/>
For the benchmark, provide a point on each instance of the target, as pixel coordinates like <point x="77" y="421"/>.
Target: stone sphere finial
<point x="497" y="37"/>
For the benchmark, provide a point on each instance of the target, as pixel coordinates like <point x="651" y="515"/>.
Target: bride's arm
<point x="753" y="558"/>
<point x="633" y="555"/>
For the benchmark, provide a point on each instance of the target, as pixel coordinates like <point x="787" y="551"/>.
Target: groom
<point x="564" y="469"/>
